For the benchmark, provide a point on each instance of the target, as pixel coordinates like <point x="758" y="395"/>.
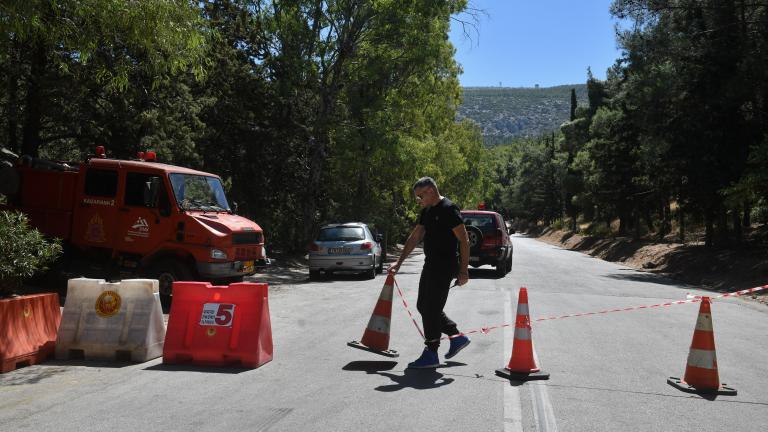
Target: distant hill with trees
<point x="506" y="113"/>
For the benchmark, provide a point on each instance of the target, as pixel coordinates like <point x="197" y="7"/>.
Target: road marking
<point x="513" y="413"/>
<point x="543" y="413"/>
<point x="542" y="407"/>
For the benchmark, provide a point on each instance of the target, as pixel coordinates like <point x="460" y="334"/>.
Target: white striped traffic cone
<point x="701" y="374"/>
<point x="376" y="336"/>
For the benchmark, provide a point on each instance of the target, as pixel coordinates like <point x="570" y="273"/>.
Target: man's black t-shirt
<point x="440" y="243"/>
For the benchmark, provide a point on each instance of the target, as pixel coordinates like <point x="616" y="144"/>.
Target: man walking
<point x="442" y="229"/>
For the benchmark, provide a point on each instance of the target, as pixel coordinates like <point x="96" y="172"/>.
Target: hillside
<point x="506" y="113"/>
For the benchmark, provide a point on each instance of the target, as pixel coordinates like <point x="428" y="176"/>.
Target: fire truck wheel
<point x="167" y="272"/>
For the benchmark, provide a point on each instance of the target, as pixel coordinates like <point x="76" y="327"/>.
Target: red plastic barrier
<point x="28" y="327"/>
<point x="218" y="325"/>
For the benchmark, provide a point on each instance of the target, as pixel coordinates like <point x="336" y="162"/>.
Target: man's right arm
<point x="413" y="239"/>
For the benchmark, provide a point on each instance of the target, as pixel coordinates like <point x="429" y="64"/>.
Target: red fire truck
<point x="135" y="217"/>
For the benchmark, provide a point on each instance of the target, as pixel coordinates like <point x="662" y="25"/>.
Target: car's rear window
<point x="341" y="233"/>
<point x="485" y="222"/>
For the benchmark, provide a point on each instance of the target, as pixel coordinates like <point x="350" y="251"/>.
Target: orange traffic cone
<point x="376" y="336"/>
<point x="522" y="365"/>
<point x="701" y="371"/>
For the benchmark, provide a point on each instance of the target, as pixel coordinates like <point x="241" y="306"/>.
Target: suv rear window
<point x="341" y="233"/>
<point x="485" y="222"/>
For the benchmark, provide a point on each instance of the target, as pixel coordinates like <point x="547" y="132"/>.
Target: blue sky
<point x="522" y="43"/>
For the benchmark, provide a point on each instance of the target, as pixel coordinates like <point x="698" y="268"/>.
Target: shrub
<point x="557" y="224"/>
<point x="598" y="229"/>
<point x="24" y="251"/>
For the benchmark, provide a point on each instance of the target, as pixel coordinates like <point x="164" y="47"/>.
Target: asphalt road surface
<point x="608" y="371"/>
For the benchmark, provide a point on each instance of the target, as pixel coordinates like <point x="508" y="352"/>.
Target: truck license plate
<point x="248" y="267"/>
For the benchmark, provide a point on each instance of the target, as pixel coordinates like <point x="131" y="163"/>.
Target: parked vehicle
<point x="347" y="247"/>
<point x="489" y="241"/>
<point x="127" y="218"/>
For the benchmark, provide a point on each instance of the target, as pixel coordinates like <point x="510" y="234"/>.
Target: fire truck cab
<point x="139" y="217"/>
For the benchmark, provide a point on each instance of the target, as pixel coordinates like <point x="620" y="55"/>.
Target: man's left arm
<point x="460" y="231"/>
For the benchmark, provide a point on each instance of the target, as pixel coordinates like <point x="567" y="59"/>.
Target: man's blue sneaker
<point x="457" y="344"/>
<point x="428" y="360"/>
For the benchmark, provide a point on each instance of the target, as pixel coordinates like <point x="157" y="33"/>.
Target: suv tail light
<point x="366" y="246"/>
<point x="314" y="247"/>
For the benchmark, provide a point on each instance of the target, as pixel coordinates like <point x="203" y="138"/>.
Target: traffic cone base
<point x="387" y="353"/>
<point x="681" y="385"/>
<point x="522" y="376"/>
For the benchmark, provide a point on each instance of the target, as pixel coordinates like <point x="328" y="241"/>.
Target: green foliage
<point x="557" y="224"/>
<point x="598" y="229"/>
<point x="23" y="251"/>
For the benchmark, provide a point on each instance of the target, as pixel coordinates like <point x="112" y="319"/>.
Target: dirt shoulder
<point x="718" y="270"/>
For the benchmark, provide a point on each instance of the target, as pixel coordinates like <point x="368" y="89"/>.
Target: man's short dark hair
<point x="425" y="182"/>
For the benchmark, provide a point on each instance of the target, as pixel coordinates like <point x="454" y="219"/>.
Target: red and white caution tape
<point x="405" y="304"/>
<point x="690" y="299"/>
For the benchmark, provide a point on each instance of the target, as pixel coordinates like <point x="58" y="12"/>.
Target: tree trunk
<point x="681" y="217"/>
<point x="12" y="110"/>
<point x="747" y="221"/>
<point x="316" y="153"/>
<point x="648" y="219"/>
<point x="625" y="220"/>
<point x="709" y="228"/>
<point x="721" y="233"/>
<point x="636" y="218"/>
<point x="736" y="218"/>
<point x="30" y="144"/>
<point x="12" y="104"/>
<point x="666" y="216"/>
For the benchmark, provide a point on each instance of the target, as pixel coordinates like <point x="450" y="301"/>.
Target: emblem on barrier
<point x="27" y="312"/>
<point x="108" y="304"/>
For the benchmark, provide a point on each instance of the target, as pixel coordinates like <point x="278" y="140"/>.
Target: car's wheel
<point x="314" y="274"/>
<point x="509" y="263"/>
<point x="475" y="237"/>
<point x="381" y="264"/>
<point x="371" y="272"/>
<point x="501" y="268"/>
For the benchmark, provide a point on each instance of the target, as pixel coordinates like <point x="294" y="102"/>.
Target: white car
<point x="346" y="247"/>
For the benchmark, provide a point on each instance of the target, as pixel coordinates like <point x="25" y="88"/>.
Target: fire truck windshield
<point x="197" y="192"/>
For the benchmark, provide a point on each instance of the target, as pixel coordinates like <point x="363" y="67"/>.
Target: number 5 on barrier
<point x="217" y="314"/>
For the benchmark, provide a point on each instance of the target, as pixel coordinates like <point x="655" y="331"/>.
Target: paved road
<point x="608" y="372"/>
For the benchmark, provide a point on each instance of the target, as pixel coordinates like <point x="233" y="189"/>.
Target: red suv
<point x="489" y="241"/>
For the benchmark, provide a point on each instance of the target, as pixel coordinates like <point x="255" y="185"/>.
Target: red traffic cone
<point x="376" y="336"/>
<point x="701" y="370"/>
<point x="522" y="366"/>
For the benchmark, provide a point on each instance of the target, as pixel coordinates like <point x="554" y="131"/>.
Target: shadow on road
<point x="369" y="366"/>
<point x="194" y="368"/>
<point x="30" y="375"/>
<point x="636" y="276"/>
<point x="419" y="379"/>
<point x="483" y="273"/>
<point x="105" y="364"/>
